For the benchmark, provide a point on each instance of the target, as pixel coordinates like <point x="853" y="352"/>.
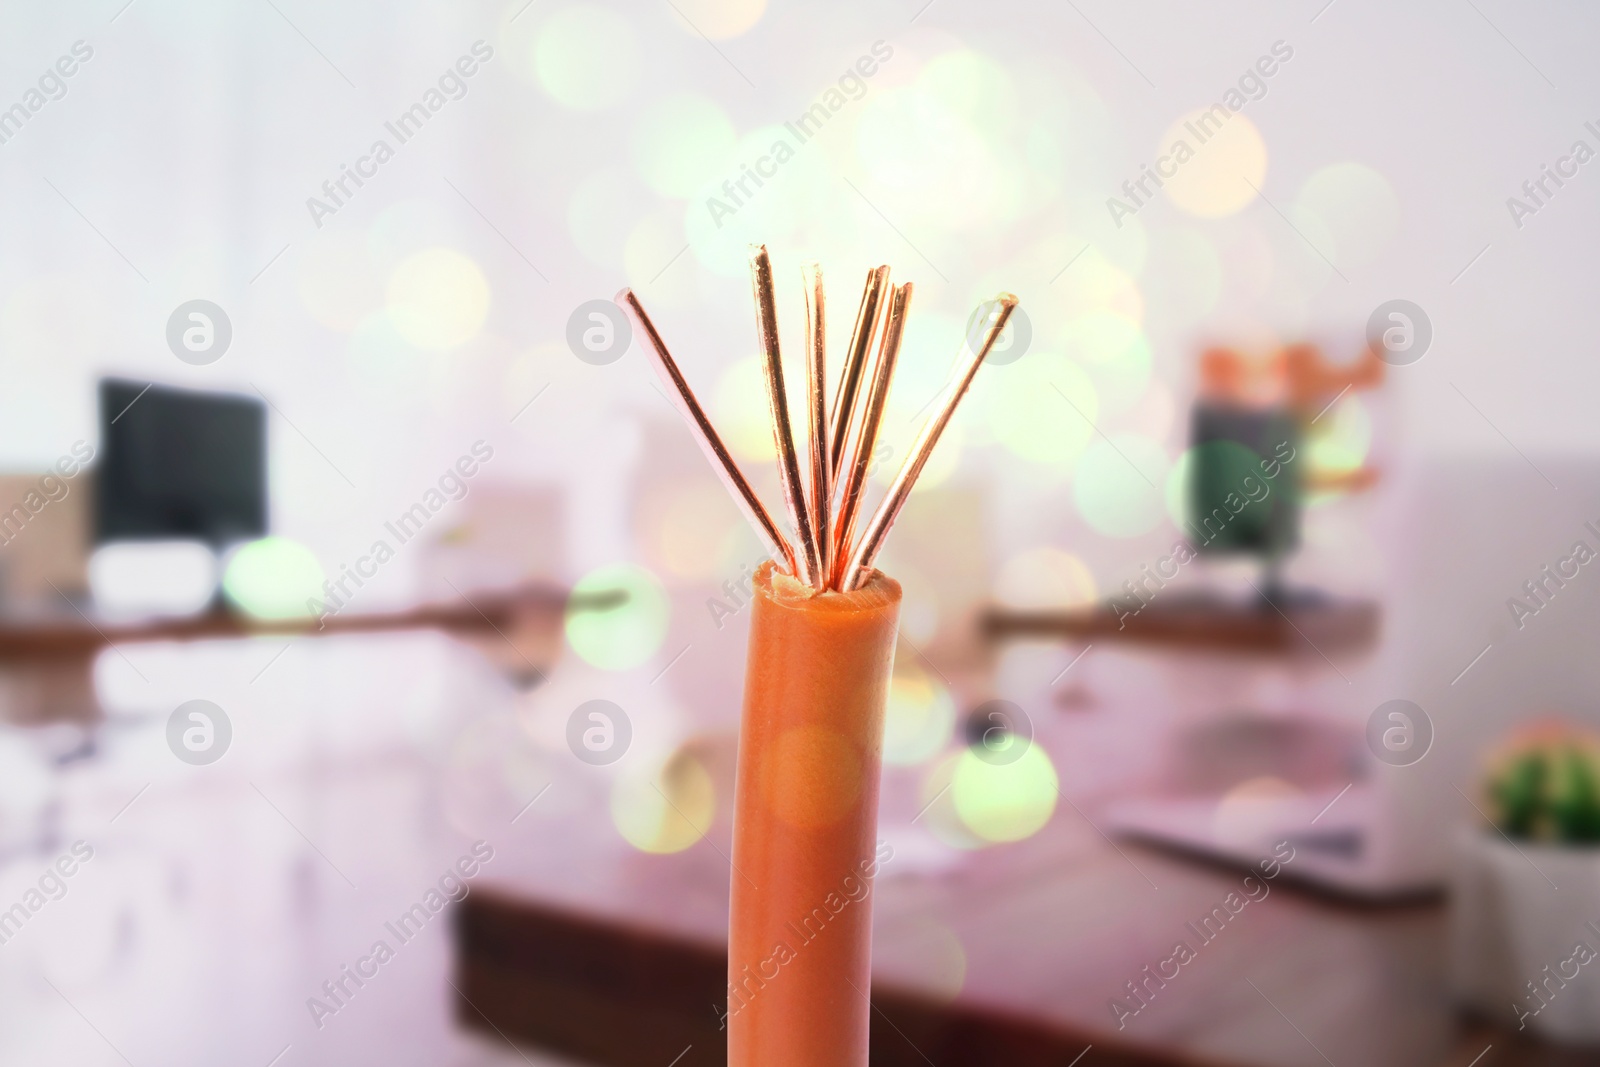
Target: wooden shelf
<point x="72" y="634"/>
<point x="1202" y="625"/>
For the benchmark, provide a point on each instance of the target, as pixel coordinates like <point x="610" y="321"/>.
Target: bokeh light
<point x="273" y="578"/>
<point x="679" y="143"/>
<point x="1005" y="802"/>
<point x="722" y="219"/>
<point x="1184" y="277"/>
<point x="1098" y="284"/>
<point x="943" y="463"/>
<point x="587" y="57"/>
<point x="1045" y="577"/>
<point x="664" y="807"/>
<point x="1250" y="812"/>
<point x="621" y="637"/>
<point x="741" y="416"/>
<point x="407" y="226"/>
<point x="1356" y="207"/>
<point x="693" y="523"/>
<point x="336" y="280"/>
<point x="1339" y="443"/>
<point x="919" y="719"/>
<point x="927" y="142"/>
<point x="602" y="212"/>
<point x="1043" y="408"/>
<point x="384" y="360"/>
<point x="1216" y="180"/>
<point x="438" y="299"/>
<point x="718" y="19"/>
<point x="653" y="258"/>
<point x="1117" y="486"/>
<point x="1113" y="349"/>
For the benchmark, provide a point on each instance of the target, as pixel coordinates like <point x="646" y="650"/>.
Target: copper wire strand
<point x="872" y="537"/>
<point x="865" y="441"/>
<point x="706" y="435"/>
<point x="868" y="316"/>
<point x="782" y="430"/>
<point x="817" y="406"/>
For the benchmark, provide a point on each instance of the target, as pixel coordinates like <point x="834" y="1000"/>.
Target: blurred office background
<point x="233" y="370"/>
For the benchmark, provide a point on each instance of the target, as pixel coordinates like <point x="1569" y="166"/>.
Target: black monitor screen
<point x="1244" y="481"/>
<point x="180" y="464"/>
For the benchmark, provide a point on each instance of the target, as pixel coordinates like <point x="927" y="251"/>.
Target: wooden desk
<point x="576" y="944"/>
<point x="1203" y="625"/>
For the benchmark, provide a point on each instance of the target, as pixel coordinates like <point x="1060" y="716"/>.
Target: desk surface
<point x="1019" y="946"/>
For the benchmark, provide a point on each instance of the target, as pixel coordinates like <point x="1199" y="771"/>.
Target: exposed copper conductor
<point x="855" y="363"/>
<point x="825" y="506"/>
<point x="821" y="467"/>
<point x="794" y="493"/>
<point x="872" y="537"/>
<point x="866" y="441"/>
<point x="684" y="400"/>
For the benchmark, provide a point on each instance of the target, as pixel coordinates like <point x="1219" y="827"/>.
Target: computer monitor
<point x="176" y="463"/>
<point x="1244" y="483"/>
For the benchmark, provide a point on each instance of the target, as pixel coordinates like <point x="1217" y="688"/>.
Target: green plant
<point x="1545" y="786"/>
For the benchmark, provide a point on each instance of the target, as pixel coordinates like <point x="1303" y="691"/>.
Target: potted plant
<point x="1526" y="915"/>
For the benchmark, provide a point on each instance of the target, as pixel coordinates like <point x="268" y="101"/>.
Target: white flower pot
<point x="1525" y="934"/>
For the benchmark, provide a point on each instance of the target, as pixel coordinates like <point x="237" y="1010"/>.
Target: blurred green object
<point x="1546" y="787"/>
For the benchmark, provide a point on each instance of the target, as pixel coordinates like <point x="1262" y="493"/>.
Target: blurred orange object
<point x="1313" y="381"/>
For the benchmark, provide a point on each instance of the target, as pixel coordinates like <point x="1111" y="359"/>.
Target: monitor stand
<point x="1274" y="594"/>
